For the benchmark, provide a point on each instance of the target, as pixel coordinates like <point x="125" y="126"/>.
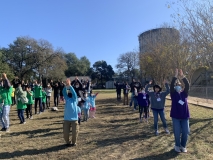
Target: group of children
<point x="87" y="106"/>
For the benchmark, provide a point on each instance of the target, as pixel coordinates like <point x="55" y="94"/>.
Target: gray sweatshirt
<point x="48" y="91"/>
<point x="158" y="99"/>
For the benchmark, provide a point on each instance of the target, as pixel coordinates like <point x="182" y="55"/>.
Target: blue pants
<point x="162" y="117"/>
<point x="181" y="131"/>
<point x="4" y="116"/>
<point x="86" y="114"/>
<point x="133" y="100"/>
<point x="21" y="115"/>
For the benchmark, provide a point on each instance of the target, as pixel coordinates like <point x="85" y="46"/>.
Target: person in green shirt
<point x="38" y="96"/>
<point x="6" y="91"/>
<point x="30" y="102"/>
<point x="21" y="105"/>
<point x="43" y="98"/>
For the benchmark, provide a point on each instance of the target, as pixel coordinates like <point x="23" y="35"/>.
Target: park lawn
<point x="115" y="133"/>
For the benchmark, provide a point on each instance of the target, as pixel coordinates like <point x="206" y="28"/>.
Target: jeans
<point x="48" y="101"/>
<point x="181" y="131"/>
<point x="21" y="115"/>
<point x="86" y="114"/>
<point x="133" y="100"/>
<point x="4" y="116"/>
<point x="162" y="117"/>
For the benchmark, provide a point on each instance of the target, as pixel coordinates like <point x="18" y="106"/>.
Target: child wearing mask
<point x="143" y="102"/>
<point x="86" y="107"/>
<point x="158" y="99"/>
<point x="180" y="111"/>
<point x="92" y="98"/>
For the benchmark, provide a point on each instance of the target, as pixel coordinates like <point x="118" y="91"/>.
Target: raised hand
<point x="68" y="83"/>
<point x="181" y="73"/>
<point x="176" y="72"/>
<point x="150" y="82"/>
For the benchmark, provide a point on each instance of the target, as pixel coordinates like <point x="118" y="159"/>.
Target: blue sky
<point x="97" y="29"/>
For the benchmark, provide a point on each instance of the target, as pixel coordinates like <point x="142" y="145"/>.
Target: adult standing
<point x="6" y="91"/>
<point x="158" y="98"/>
<point x="126" y="89"/>
<point x="180" y="111"/>
<point x="56" y="90"/>
<point x="77" y="85"/>
<point x="118" y="89"/>
<point x="71" y="111"/>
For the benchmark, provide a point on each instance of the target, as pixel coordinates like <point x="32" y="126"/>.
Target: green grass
<point x="115" y="134"/>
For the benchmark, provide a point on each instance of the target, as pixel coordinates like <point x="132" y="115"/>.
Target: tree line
<point x="28" y="59"/>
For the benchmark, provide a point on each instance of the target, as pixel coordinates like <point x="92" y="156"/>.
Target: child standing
<point x="21" y="103"/>
<point x="13" y="96"/>
<point x="43" y="99"/>
<point x="48" y="92"/>
<point x="86" y="107"/>
<point x="30" y="102"/>
<point x="143" y="101"/>
<point x="79" y="115"/>
<point x="92" y="98"/>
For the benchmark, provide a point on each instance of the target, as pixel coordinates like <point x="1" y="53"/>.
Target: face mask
<point x="85" y="95"/>
<point x="178" y="88"/>
<point x="143" y="91"/>
<point x="76" y="86"/>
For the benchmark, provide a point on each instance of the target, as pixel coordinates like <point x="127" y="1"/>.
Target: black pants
<point x="38" y="100"/>
<point x="118" y="95"/>
<point x="13" y="100"/>
<point x="48" y="101"/>
<point x="56" y="100"/>
<point x="43" y="106"/>
<point x="29" y="110"/>
<point x="143" y="109"/>
<point x="79" y="121"/>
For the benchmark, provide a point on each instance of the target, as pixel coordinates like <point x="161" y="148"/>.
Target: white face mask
<point x="143" y="91"/>
<point x="85" y="95"/>
<point x="77" y="86"/>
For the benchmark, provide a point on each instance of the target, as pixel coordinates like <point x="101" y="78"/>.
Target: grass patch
<point x="115" y="134"/>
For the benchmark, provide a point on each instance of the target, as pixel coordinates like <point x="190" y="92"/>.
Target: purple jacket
<point x="179" y="111"/>
<point x="141" y="101"/>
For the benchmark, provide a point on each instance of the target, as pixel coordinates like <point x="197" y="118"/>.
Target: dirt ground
<point x="115" y="133"/>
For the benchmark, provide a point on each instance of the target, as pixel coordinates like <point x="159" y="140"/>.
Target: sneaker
<point x="3" y="129"/>
<point x="184" y="150"/>
<point x="73" y="144"/>
<point x="167" y="131"/>
<point x="7" y="130"/>
<point x="31" y="117"/>
<point x="177" y="149"/>
<point x="156" y="133"/>
<point x="24" y="122"/>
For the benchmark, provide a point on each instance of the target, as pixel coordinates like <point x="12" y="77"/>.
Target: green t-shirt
<point x="44" y="96"/>
<point x="30" y="98"/>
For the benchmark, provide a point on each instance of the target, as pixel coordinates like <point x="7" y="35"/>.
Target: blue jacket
<point x="71" y="109"/>
<point x="86" y="104"/>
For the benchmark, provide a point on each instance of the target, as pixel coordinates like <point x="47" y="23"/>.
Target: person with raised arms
<point x="71" y="111"/>
<point x="158" y="98"/>
<point x="180" y="111"/>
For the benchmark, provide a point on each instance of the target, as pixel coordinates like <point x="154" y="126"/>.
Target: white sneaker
<point x="177" y="149"/>
<point x="156" y="133"/>
<point x="184" y="150"/>
<point x="167" y="131"/>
